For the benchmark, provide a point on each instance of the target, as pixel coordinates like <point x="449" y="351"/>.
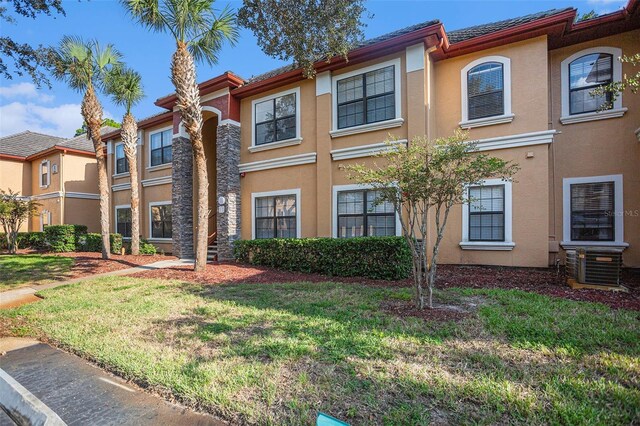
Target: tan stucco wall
<point x="597" y="148"/>
<point x="79" y="174"/>
<point x="35" y="174"/>
<point x="529" y="94"/>
<point x="79" y="211"/>
<point x="54" y="205"/>
<point x="15" y="175"/>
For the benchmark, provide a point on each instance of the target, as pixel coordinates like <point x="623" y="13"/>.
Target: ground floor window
<point x="276" y="216"/>
<point x="123" y="221"/>
<point x="45" y="219"/>
<point x="161" y="226"/>
<point x="362" y="214"/>
<point x="486" y="213"/>
<point x="593" y="211"/>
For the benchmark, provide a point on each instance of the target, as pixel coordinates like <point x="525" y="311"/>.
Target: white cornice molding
<point x="83" y="195"/>
<point x="121" y="187"/>
<point x="274" y="145"/>
<point x="544" y="137"/>
<point x="229" y="121"/>
<point x="486" y="245"/>
<point x="47" y="195"/>
<point x="293" y="160"/>
<point x="572" y="245"/>
<point x="365" y="150"/>
<point x="593" y="116"/>
<point x="388" y="124"/>
<point x="162" y="180"/>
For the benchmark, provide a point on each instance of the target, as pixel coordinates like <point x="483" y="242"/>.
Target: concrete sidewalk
<point x="81" y="394"/>
<point x="22" y="295"/>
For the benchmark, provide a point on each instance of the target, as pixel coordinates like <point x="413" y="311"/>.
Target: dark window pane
<point x="286" y="227"/>
<point x="122" y="166"/>
<point x="161" y="225"/>
<point x="486" y="213"/>
<point x="286" y="128"/>
<point x="167" y="154"/>
<point x="359" y="215"/>
<point x="350" y="226"/>
<point x="486" y="105"/>
<point x="380" y="81"/>
<point x="265" y="133"/>
<point x="381" y="226"/>
<point x="350" y="202"/>
<point x="350" y="89"/>
<point x="264" y="111"/>
<point x="485" y="90"/>
<point x="156" y="157"/>
<point x="156" y="140"/>
<point x="381" y="108"/>
<point x="276" y="217"/>
<point x="265" y="228"/>
<point x="592" y="211"/>
<point x="586" y="74"/>
<point x="350" y="115"/>
<point x="286" y="105"/>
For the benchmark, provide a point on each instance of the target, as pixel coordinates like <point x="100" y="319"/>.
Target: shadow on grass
<point x="32" y="268"/>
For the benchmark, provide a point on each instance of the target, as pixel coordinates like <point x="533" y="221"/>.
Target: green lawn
<point x="278" y="353"/>
<point x="17" y="270"/>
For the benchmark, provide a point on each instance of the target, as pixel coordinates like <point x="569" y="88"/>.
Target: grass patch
<point x="279" y="353"/>
<point x="17" y="270"/>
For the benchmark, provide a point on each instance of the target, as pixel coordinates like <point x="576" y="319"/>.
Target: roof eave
<point x="222" y="81"/>
<point x="143" y="124"/>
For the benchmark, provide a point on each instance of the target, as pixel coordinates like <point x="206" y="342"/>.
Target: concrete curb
<point x="22" y="406"/>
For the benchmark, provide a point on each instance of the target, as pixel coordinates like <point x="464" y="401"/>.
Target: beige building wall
<point x="78" y="211"/>
<point x="598" y="148"/>
<point x="79" y="174"/>
<point x="15" y="175"/>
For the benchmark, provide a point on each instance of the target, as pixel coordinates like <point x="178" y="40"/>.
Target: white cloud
<point x="61" y="120"/>
<point x="25" y="90"/>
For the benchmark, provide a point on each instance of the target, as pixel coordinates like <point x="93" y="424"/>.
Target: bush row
<point x="93" y="242"/>
<point x="34" y="240"/>
<point x="386" y="258"/>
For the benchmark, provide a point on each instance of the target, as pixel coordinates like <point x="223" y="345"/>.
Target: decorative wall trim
<point x="543" y="137"/>
<point x="293" y="160"/>
<point x="323" y="83"/>
<point x="381" y="125"/>
<point x="83" y="195"/>
<point x="487" y="121"/>
<point x="274" y="145"/>
<point x="415" y="57"/>
<point x="593" y="116"/>
<point x="365" y="150"/>
<point x="486" y="245"/>
<point x="162" y="180"/>
<point x="121" y="187"/>
<point x="228" y="121"/>
<point x="294" y="191"/>
<point x="47" y="195"/>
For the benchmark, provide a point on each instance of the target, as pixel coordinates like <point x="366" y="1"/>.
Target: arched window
<point x="586" y="74"/>
<point x="485" y="90"/>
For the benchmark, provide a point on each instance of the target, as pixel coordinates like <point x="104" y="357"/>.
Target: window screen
<point x="485" y="90"/>
<point x="276" y="217"/>
<point x="360" y="214"/>
<point x="592" y="211"/>
<point x="161" y="225"/>
<point x="161" y="148"/>
<point x="367" y="98"/>
<point x="486" y="213"/>
<point x="275" y="119"/>
<point x="122" y="165"/>
<point x="123" y="222"/>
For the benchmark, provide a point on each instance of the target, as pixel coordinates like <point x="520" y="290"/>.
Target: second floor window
<point x="485" y="90"/>
<point x="592" y="211"/>
<point x="486" y="213"/>
<point x="586" y="74"/>
<point x="161" y="148"/>
<point x="367" y="98"/>
<point x="44" y="174"/>
<point x="122" y="165"/>
<point x="275" y="119"/>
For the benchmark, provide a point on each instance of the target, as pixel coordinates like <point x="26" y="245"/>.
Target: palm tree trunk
<point x="92" y="114"/>
<point x="183" y="76"/>
<point x="130" y="140"/>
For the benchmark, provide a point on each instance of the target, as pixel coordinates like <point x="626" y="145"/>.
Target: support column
<point x="228" y="188"/>
<point x="182" y="198"/>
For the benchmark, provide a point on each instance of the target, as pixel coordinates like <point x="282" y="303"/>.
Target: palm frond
<point x="220" y="29"/>
<point x="71" y="62"/>
<point x="124" y="85"/>
<point x="148" y="13"/>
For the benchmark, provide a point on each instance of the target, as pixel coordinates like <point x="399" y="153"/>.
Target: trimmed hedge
<point x="386" y="258"/>
<point x="60" y="238"/>
<point x="93" y="242"/>
<point x="34" y="240"/>
<point x="147" y="248"/>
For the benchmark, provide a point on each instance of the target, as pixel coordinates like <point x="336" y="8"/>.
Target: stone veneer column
<point x="228" y="182"/>
<point x="182" y="198"/>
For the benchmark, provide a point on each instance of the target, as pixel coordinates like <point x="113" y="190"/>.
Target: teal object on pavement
<point x="327" y="420"/>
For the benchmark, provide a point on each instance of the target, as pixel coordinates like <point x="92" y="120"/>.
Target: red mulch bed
<point x="543" y="281"/>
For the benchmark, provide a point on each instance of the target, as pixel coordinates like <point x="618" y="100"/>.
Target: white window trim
<point x="154" y="204"/>
<point x="397" y="121"/>
<point x="618" y="205"/>
<point x="115" y="218"/>
<point x="294" y="191"/>
<point x="278" y="144"/>
<point x="48" y="163"/>
<point x="616" y="111"/>
<point x="115" y="161"/>
<point x="334" y="207"/>
<point x="42" y="214"/>
<point x="159" y="166"/>
<point x="507" y="115"/>
<point x="505" y="245"/>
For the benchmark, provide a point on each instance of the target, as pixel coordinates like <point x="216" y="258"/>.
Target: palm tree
<point x="83" y="65"/>
<point x="199" y="34"/>
<point x="124" y="85"/>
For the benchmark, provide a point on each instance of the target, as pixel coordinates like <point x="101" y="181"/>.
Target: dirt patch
<point x="543" y="281"/>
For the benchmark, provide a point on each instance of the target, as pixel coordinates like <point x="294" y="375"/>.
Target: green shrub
<point x="386" y="258"/>
<point x="93" y="242"/>
<point x="60" y="238"/>
<point x="147" y="248"/>
<point x="33" y="240"/>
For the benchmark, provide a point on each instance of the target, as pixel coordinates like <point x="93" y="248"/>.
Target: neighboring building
<point x="58" y="173"/>
<point x="277" y="143"/>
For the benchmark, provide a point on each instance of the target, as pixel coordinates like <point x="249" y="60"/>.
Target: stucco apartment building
<point x="277" y="143"/>
<point x="60" y="174"/>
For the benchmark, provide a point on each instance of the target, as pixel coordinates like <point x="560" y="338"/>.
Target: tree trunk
<point x="92" y="114"/>
<point x="130" y="141"/>
<point x="183" y="76"/>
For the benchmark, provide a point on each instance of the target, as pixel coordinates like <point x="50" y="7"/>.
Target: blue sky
<point x="56" y="111"/>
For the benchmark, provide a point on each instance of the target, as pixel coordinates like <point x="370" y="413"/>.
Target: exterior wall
<point x="79" y="174"/>
<point x="598" y="148"/>
<point x="159" y="193"/>
<point x="54" y="185"/>
<point x="15" y="175"/>
<point x="78" y="211"/>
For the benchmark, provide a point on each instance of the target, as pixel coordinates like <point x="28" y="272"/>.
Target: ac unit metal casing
<point x="595" y="265"/>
